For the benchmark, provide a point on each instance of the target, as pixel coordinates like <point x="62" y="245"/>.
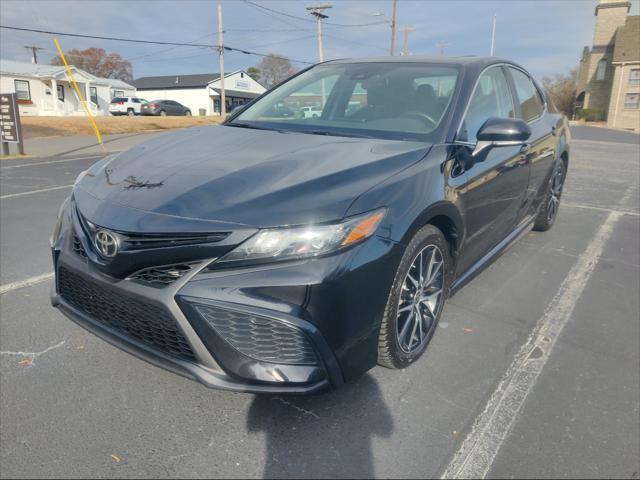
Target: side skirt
<point x="521" y="230"/>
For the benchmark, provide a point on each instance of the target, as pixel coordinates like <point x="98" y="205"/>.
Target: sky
<point x="545" y="36"/>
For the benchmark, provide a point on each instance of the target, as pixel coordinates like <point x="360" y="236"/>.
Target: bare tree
<point x="255" y="73"/>
<point x="274" y="69"/>
<point x="98" y="62"/>
<point x="561" y="90"/>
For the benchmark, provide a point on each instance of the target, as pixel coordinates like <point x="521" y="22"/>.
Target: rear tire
<point x="416" y="299"/>
<point x="548" y="210"/>
<point x="130" y="112"/>
<point x="163" y="113"/>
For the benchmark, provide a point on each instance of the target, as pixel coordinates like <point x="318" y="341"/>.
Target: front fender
<point x="416" y="196"/>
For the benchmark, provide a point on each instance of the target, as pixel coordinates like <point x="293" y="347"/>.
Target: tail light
<point x="118" y="103"/>
<point x="152" y="105"/>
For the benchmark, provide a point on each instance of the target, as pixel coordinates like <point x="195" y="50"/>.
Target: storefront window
<point x="23" y="92"/>
<point x="93" y="92"/>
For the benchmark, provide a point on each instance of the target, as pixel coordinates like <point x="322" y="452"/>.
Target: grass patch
<point x="64" y="126"/>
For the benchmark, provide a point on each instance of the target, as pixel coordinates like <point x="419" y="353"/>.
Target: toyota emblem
<point x="107" y="243"/>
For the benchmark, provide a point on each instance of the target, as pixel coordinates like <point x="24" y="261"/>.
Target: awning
<point x="237" y="93"/>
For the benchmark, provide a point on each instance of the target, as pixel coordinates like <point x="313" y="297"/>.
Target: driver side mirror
<point x="501" y="132"/>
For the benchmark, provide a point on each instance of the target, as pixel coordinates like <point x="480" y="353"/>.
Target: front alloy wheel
<point x="420" y="298"/>
<point x="416" y="300"/>
<point x="551" y="203"/>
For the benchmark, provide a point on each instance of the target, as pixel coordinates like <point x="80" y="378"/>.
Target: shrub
<point x="590" y="114"/>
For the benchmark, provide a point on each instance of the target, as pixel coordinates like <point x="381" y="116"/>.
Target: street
<point x="72" y="405"/>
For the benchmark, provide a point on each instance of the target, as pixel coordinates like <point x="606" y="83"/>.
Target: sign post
<point x="10" y="128"/>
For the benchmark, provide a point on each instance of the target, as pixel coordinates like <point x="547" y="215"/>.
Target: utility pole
<point x="442" y="45"/>
<point x="223" y="100"/>
<point x="493" y="34"/>
<point x="405" y="49"/>
<point x="34" y="52"/>
<point x="392" y="47"/>
<point x="317" y="12"/>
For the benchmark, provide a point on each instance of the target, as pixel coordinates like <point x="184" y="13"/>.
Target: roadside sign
<point x="10" y="131"/>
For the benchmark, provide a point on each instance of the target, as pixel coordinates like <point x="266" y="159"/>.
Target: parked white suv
<point x="311" y="112"/>
<point x="126" y="106"/>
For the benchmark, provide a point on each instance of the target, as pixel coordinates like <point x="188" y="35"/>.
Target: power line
<point x="117" y="39"/>
<point x="271" y="15"/>
<point x="164" y="50"/>
<point x="152" y="42"/>
<point x="313" y="21"/>
<point x="331" y="35"/>
<point x="283" y="41"/>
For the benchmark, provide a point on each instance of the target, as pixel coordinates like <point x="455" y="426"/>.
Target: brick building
<point x="609" y="73"/>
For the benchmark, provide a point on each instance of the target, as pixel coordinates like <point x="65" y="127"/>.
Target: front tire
<point x="418" y="294"/>
<point x="548" y="210"/>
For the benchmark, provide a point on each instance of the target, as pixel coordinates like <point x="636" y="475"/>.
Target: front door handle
<point x="554" y="130"/>
<point x="524" y="149"/>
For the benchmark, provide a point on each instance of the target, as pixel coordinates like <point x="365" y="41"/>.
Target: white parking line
<point x="23" y="165"/>
<point x="21" y="194"/>
<point x="475" y="456"/>
<point x="601" y="209"/>
<point x="25" y="283"/>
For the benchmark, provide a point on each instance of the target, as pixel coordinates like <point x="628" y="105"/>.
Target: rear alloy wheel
<point x="416" y="301"/>
<point x="551" y="203"/>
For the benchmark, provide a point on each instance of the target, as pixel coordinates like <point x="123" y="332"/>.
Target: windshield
<point x="377" y="100"/>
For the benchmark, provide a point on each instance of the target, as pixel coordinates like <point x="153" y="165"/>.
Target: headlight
<point x="298" y="242"/>
<point x="58" y="226"/>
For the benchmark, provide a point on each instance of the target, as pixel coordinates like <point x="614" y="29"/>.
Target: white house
<point x="47" y="90"/>
<point x="200" y="92"/>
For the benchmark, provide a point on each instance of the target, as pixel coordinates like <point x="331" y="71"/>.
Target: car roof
<point x="479" y="62"/>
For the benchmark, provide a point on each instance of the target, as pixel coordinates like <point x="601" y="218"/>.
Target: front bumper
<point x="333" y="305"/>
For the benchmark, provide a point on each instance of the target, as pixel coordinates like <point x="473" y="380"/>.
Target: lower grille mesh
<point x="260" y="337"/>
<point x="151" y="324"/>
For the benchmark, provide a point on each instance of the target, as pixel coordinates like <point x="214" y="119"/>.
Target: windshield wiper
<point x="246" y="125"/>
<point x="335" y="134"/>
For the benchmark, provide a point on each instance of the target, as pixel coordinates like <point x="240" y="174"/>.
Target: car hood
<point x="221" y="176"/>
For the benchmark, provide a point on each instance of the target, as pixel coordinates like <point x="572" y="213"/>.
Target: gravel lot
<point x="73" y="406"/>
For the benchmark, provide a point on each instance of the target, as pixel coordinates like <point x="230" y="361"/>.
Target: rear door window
<point x="531" y="103"/>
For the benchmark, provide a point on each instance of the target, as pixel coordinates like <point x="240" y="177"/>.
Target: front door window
<point x="491" y="99"/>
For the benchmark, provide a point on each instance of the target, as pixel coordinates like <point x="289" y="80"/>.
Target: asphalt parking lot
<point x="534" y="371"/>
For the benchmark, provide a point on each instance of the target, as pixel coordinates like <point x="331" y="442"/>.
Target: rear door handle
<point x="525" y="148"/>
<point x="554" y="130"/>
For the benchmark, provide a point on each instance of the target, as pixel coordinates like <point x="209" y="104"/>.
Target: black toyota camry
<point x="293" y="253"/>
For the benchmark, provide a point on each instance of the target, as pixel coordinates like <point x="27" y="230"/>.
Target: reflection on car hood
<point x="256" y="178"/>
